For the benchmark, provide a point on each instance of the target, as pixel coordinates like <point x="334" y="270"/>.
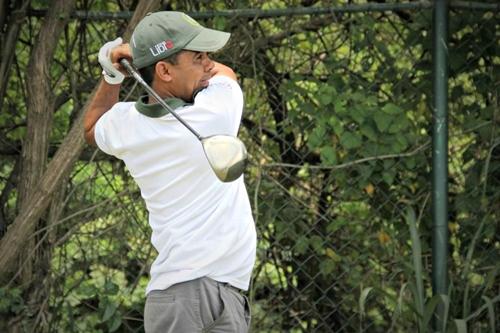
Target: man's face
<point x="190" y="74"/>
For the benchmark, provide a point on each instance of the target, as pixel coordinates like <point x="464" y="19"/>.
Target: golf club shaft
<point x="125" y="63"/>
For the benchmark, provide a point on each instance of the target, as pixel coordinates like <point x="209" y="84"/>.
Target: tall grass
<point x="421" y="308"/>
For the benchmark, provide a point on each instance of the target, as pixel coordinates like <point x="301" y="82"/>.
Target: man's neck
<point x="161" y="91"/>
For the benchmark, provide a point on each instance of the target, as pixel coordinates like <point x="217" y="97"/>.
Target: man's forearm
<point x="105" y="97"/>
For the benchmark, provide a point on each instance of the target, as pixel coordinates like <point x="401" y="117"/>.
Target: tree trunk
<point x="40" y="105"/>
<point x="38" y="314"/>
<point x="57" y="171"/>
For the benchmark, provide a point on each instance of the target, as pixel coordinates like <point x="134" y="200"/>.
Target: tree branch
<point x="8" y="45"/>
<point x="348" y="164"/>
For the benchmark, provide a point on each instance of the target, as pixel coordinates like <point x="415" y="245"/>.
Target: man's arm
<point x="106" y="95"/>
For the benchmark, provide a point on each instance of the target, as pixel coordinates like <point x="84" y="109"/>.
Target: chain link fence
<point x="338" y="107"/>
<point x="344" y="151"/>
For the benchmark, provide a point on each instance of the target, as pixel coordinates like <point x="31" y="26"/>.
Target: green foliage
<point x="337" y="122"/>
<point x="11" y="300"/>
<point x="421" y="306"/>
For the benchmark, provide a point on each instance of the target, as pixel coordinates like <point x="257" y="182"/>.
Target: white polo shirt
<point x="200" y="226"/>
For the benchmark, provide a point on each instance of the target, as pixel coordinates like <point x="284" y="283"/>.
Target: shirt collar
<point x="155" y="110"/>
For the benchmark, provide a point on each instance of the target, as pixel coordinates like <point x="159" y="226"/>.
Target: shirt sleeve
<point x="223" y="97"/>
<point x="107" y="130"/>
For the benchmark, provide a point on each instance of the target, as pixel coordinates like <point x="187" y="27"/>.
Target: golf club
<point x="226" y="154"/>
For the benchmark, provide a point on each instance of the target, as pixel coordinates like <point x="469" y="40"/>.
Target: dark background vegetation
<point x="337" y="121"/>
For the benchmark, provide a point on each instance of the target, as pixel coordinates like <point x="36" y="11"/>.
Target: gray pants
<point x="201" y="305"/>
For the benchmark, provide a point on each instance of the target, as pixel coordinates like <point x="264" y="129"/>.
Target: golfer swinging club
<point x="202" y="228"/>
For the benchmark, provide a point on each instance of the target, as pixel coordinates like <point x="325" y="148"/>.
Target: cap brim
<point x="208" y="40"/>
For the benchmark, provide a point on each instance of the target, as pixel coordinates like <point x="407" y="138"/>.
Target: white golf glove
<point x="111" y="74"/>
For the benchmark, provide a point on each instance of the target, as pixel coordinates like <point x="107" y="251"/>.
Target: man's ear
<point x="163" y="71"/>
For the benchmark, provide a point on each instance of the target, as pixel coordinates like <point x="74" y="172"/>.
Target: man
<point x="202" y="228"/>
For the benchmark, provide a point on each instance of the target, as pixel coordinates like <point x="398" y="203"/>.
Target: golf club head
<point x="227" y="156"/>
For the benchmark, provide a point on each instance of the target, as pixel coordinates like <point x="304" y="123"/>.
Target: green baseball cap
<point x="161" y="34"/>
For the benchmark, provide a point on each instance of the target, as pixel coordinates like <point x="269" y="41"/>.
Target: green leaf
<point x="307" y="107"/>
<point x="330" y="253"/>
<point x="390" y="108"/>
<point x="109" y="310"/>
<point x="491" y="312"/>
<point x="491" y="278"/>
<point x="328" y="155"/>
<point x="430" y="308"/>
<point x="302" y="245"/>
<point x="349" y="140"/>
<point x="396" y="147"/>
<point x="403" y="141"/>
<point x="398" y="124"/>
<point x="362" y="300"/>
<point x="336" y="224"/>
<point x="326" y="94"/>
<point x="388" y="176"/>
<point x="336" y="125"/>
<point x="371" y="149"/>
<point x="115" y="323"/>
<point x="339" y="106"/>
<point x="87" y="290"/>
<point x="358" y="97"/>
<point x="317" y="136"/>
<point x="382" y="120"/>
<point x="399" y="306"/>
<point x="281" y="231"/>
<point x="410" y="162"/>
<point x="358" y="114"/>
<point x="487" y="131"/>
<point x="368" y="131"/>
<point x="327" y="266"/>
<point x="317" y="243"/>
<point x="111" y="288"/>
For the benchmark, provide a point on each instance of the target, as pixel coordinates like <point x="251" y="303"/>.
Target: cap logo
<point x="161" y="47"/>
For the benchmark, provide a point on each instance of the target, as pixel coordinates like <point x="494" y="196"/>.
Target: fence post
<point x="440" y="157"/>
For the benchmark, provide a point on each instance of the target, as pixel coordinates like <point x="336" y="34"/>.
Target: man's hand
<point x="108" y="91"/>
<point x="109" y="55"/>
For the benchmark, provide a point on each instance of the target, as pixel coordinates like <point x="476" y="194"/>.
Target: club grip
<point x="125" y="63"/>
<point x="131" y="70"/>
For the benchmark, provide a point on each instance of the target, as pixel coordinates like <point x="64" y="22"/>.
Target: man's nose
<point x="208" y="64"/>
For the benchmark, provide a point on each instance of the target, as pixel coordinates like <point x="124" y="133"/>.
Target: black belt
<point x="229" y="286"/>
